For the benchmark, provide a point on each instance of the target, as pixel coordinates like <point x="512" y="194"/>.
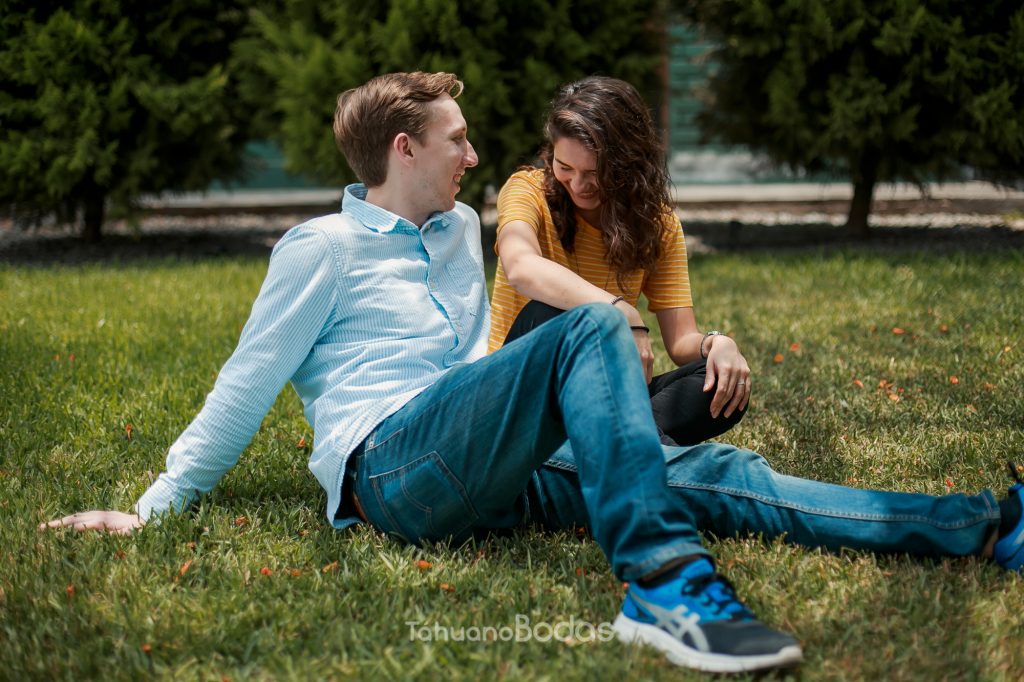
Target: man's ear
<point x="403" y="147"/>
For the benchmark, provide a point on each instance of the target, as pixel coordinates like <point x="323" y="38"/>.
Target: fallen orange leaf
<point x="953" y="379"/>
<point x="423" y="565"/>
<point x="184" y="567"/>
<point x="858" y="383"/>
<point x="898" y="330"/>
<point x="302" y="443"/>
<point x="296" y="572"/>
<point x="949" y="483"/>
<point x="266" y="571"/>
<point x="447" y="587"/>
<point x="893" y="397"/>
<point x="1006" y="349"/>
<point x="944" y="328"/>
<point x="333" y="566"/>
<point x="70" y="590"/>
<point x="988" y="387"/>
<point x="71" y="357"/>
<point x="778" y="357"/>
<point x="579" y="570"/>
<point x="146" y="648"/>
<point x="972" y="409"/>
<point x="240" y="520"/>
<point x="128" y="430"/>
<point x="794" y="346"/>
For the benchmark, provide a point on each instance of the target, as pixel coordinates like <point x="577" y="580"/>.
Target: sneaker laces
<point x="715" y="591"/>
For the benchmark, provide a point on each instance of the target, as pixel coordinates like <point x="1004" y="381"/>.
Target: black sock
<point x="1009" y="512"/>
<point x="667" y="572"/>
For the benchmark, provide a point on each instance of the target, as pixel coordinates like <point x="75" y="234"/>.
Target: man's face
<point x="443" y="156"/>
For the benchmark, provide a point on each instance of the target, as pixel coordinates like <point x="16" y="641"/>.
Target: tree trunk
<point x="92" y="227"/>
<point x="864" y="177"/>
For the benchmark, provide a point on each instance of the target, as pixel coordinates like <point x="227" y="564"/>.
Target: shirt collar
<point x="380" y="219"/>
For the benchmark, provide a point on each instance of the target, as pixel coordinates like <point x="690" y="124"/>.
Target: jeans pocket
<point x="423" y="500"/>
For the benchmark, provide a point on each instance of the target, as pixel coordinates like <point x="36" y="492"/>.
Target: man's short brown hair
<point x="369" y="117"/>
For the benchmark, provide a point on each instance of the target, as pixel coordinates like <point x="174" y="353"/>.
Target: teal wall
<point x="687" y="71"/>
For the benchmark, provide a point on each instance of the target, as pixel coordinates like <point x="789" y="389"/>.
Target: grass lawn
<point x="872" y="369"/>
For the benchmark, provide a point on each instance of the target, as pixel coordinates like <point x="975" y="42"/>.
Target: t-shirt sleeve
<point x="521" y="199"/>
<point x="667" y="285"/>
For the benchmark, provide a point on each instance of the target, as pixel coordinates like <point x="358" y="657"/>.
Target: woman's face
<point x="575" y="167"/>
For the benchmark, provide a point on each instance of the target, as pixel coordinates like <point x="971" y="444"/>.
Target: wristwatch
<point x="713" y="332"/>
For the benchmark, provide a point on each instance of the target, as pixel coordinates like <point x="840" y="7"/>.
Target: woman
<point x="595" y="224"/>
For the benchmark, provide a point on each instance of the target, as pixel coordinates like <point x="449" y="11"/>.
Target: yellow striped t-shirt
<point x="667" y="285"/>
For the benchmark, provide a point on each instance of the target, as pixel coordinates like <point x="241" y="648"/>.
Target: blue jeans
<point x="734" y="492"/>
<point x="458" y="457"/>
<point x="485" y="448"/>
<point x="681" y="406"/>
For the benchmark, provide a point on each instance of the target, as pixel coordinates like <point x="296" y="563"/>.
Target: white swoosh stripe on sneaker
<point x="676" y="622"/>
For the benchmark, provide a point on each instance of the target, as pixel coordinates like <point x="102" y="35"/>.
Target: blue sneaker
<point x="1008" y="551"/>
<point x="697" y="621"/>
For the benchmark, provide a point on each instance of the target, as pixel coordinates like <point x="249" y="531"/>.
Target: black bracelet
<point x="640" y="328"/>
<point x="617" y="299"/>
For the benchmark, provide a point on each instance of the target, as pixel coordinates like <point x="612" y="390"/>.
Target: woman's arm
<point x="726" y="367"/>
<point x="540" y="279"/>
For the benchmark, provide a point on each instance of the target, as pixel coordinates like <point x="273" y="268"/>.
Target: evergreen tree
<point x="105" y="100"/>
<point x="874" y="89"/>
<point x="512" y="56"/>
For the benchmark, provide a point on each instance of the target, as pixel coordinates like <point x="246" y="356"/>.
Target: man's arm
<point x="295" y="304"/>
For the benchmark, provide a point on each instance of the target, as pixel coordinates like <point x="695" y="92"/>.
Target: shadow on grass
<point x="193" y="243"/>
<point x="710" y="237"/>
<point x="183" y="244"/>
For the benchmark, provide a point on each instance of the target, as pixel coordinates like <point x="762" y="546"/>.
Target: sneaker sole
<point x="633" y="632"/>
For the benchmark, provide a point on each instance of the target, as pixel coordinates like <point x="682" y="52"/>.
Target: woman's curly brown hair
<point x="608" y="117"/>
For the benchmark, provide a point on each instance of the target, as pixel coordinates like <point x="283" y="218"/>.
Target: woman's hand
<point x="114" y="522"/>
<point x="727" y="367"/>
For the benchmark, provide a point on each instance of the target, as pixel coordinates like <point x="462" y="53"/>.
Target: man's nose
<point x="471" y="157"/>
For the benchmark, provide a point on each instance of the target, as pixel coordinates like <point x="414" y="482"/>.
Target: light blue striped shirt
<point x="361" y="310"/>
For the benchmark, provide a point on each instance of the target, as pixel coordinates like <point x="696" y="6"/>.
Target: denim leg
<point x="735" y="492"/>
<point x="459" y="456"/>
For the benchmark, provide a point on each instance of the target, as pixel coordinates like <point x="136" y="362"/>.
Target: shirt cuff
<point x="161" y="497"/>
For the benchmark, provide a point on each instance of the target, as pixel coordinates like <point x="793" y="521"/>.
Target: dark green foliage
<point x="105" y="100"/>
<point x="877" y="90"/>
<point x="512" y="56"/>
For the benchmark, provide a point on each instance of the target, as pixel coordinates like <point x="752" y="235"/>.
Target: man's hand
<point x="727" y="368"/>
<point x="113" y="522"/>
<point x="643" y="344"/>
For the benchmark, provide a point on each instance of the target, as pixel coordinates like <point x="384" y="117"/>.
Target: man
<point x="378" y="316"/>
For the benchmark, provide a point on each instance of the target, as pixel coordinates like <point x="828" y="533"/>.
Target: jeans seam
<point x="892" y="518"/>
